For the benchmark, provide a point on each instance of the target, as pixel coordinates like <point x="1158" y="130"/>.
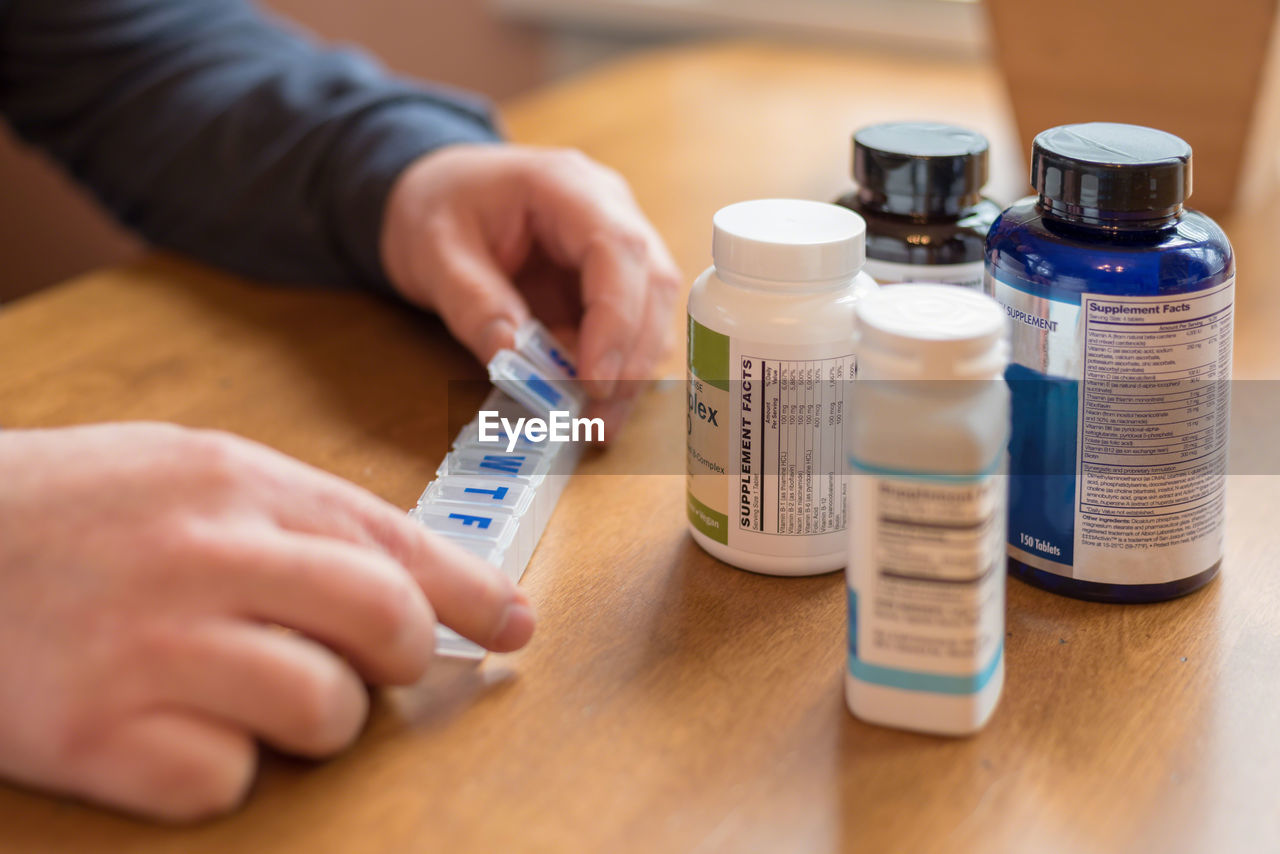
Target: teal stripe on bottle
<point x="914" y="680"/>
<point x="939" y="477"/>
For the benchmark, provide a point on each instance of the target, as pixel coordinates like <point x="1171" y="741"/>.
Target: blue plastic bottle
<point x="1121" y="303"/>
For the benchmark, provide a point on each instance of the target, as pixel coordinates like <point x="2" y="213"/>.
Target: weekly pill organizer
<point x="494" y="498"/>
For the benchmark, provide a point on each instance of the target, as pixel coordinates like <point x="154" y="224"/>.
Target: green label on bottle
<point x="707" y="424"/>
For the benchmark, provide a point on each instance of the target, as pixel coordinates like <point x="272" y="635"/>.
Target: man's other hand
<point x="169" y="596"/>
<point x="484" y="234"/>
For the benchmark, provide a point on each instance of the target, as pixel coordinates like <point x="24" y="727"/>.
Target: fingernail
<point x="498" y="334"/>
<point x="606" y="373"/>
<point x="515" y="626"/>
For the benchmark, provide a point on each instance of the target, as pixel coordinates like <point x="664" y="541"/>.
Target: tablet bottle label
<point x="1121" y="408"/>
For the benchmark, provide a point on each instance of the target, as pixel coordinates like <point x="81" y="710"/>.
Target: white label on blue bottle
<point x="926" y="579"/>
<point x="967" y="275"/>
<point x="1120" y="432"/>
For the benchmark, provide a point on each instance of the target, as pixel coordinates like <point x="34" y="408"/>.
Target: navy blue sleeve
<point x="217" y="132"/>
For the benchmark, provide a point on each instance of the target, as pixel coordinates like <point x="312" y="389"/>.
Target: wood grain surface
<point x="670" y="703"/>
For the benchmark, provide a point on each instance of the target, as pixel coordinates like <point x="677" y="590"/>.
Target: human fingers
<point x="473" y="295"/>
<point x="452" y="237"/>
<point x="614" y="412"/>
<point x="586" y="218"/>
<point x="471" y="596"/>
<point x="284" y="688"/>
<point x="355" y="599"/>
<point x="467" y="594"/>
<point x="658" y="335"/>
<point x="168" y="765"/>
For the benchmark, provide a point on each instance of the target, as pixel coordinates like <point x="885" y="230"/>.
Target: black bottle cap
<point x="1111" y="174"/>
<point x="920" y="167"/>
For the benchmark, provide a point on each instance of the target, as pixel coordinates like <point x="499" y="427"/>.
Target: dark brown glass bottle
<point x="920" y="191"/>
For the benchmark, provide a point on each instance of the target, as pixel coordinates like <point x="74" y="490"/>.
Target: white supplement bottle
<point x="927" y="455"/>
<point x="770" y="376"/>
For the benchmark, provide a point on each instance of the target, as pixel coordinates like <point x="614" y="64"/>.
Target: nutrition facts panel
<point x="1154" y="402"/>
<point x="929" y="567"/>
<point x="798" y="416"/>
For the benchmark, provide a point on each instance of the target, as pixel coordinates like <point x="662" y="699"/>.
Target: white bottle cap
<point x="788" y="240"/>
<point x="930" y="332"/>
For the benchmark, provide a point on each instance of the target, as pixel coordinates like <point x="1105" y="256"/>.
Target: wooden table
<point x="669" y="702"/>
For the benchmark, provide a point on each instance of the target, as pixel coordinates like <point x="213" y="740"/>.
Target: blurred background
<point x="1188" y="66"/>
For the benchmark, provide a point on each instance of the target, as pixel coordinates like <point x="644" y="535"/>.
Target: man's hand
<point x="167" y="596"/>
<point x="482" y="234"/>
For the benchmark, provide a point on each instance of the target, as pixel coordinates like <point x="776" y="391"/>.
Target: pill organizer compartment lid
<point x="528" y="467"/>
<point x="504" y="556"/>
<point x="531" y="386"/>
<point x="484" y="549"/>
<point x="450" y="644"/>
<point x="495" y="494"/>
<point x="469" y="438"/>
<point x="930" y="332"/>
<point x="788" y="240"/>
<point x="458" y="521"/>
<point x="536" y="343"/>
<point x="500" y="402"/>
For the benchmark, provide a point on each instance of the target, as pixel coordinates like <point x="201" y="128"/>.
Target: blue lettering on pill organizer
<point x="507" y="465"/>
<point x="543" y="389"/>
<point x="560" y="360"/>
<point x="498" y="493"/>
<point x="478" y="521"/>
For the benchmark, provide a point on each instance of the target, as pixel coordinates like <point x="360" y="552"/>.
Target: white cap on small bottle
<point x="788" y="240"/>
<point x="930" y="332"/>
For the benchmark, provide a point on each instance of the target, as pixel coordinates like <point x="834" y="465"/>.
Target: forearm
<point x="218" y="133"/>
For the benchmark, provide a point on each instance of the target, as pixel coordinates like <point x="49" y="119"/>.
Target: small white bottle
<point x="770" y="370"/>
<point x="927" y="495"/>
